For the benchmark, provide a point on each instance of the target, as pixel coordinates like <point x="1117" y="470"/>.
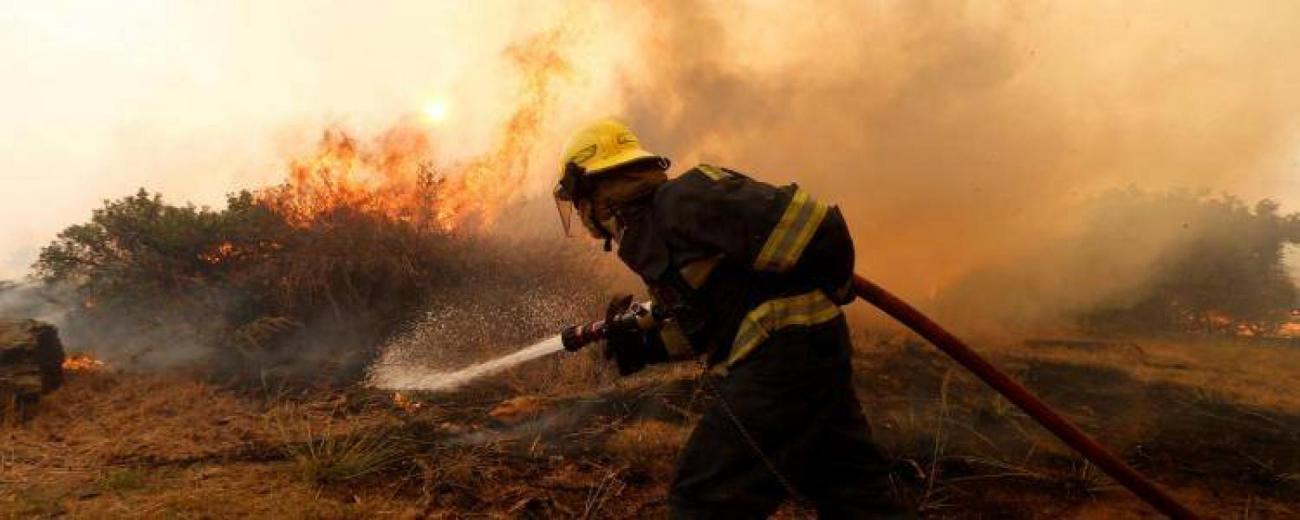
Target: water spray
<point x="404" y="378"/>
<point x="640" y="316"/>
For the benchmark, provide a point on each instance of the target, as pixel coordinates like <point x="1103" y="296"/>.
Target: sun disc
<point x="435" y="111"/>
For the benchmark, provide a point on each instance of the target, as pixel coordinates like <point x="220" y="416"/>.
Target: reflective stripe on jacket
<point x="809" y="309"/>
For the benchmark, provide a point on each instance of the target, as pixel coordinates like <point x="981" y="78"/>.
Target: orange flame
<point x="391" y="178"/>
<point x="406" y="403"/>
<point x="394" y="176"/>
<point x="81" y="363"/>
<point x="218" y="254"/>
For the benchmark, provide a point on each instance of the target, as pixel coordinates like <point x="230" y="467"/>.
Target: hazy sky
<point x="973" y="120"/>
<point x="195" y="99"/>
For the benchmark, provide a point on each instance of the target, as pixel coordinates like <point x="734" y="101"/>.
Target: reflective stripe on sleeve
<point x="786" y="243"/>
<point x="712" y="172"/>
<point x="807" y="309"/>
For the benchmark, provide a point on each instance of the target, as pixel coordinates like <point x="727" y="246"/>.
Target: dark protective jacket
<point x="734" y="260"/>
<point x="752" y="276"/>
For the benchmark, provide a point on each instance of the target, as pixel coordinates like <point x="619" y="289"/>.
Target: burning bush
<point x="301" y="277"/>
<point x="248" y="284"/>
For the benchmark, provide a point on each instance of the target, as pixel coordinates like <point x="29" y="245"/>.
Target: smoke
<point x="954" y="135"/>
<point x="25" y="300"/>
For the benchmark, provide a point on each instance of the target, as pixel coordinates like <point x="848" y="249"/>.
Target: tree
<point x="1225" y="275"/>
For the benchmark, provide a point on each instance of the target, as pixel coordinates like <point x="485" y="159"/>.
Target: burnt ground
<point x="121" y="445"/>
<point x="1220" y="455"/>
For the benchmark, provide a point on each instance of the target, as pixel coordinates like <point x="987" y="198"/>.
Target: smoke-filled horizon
<point x="954" y="136"/>
<point x="959" y="136"/>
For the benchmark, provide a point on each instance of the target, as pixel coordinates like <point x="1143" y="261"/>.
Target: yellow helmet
<point x="599" y="147"/>
<point x="603" y="145"/>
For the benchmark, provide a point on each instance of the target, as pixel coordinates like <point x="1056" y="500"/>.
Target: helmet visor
<point x="566" y="214"/>
<point x="566" y="193"/>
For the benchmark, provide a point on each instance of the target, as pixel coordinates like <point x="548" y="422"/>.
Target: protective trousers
<point x="794" y="396"/>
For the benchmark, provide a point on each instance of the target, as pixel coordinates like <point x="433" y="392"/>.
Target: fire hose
<point x="576" y="337"/>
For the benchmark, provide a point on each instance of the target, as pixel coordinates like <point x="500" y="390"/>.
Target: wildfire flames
<point x="394" y="175"/>
<point x="406" y="403"/>
<point x="81" y="363"/>
<point x="219" y="254"/>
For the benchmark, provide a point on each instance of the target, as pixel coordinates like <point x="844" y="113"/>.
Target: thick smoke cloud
<point x="960" y="135"/>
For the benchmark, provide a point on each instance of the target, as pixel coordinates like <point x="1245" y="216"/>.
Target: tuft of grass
<point x="1086" y="479"/>
<point x="120" y="480"/>
<point x="35" y="503"/>
<point x="325" y="451"/>
<point x="918" y="482"/>
<point x="327" y="458"/>
<point x="610" y="486"/>
<point x="935" y="497"/>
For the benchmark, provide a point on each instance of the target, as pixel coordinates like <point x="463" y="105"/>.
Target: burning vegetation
<point x="309" y="276"/>
<point x="81" y="362"/>
<point x="296" y="278"/>
<point x="393" y="178"/>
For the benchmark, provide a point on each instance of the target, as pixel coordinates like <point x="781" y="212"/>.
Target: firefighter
<point x="752" y="277"/>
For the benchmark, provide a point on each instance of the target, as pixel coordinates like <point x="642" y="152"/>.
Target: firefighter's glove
<point x="630" y="347"/>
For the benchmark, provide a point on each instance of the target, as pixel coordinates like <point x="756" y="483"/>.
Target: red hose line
<point x="1141" y="486"/>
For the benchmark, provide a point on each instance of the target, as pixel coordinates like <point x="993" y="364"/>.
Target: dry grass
<point x="334" y="459"/>
<point x="1257" y="375"/>
<point x="113" y="445"/>
<point x="105" y="421"/>
<point x="332" y="442"/>
<point x="116" y="445"/>
<point x="648" y="446"/>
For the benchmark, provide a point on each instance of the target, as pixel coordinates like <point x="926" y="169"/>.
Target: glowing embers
<point x="406" y="403"/>
<point x="81" y="362"/>
<point x="218" y="254"/>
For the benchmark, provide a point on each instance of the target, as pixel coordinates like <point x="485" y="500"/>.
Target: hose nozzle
<point x="574" y="337"/>
<point x="640" y="316"/>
